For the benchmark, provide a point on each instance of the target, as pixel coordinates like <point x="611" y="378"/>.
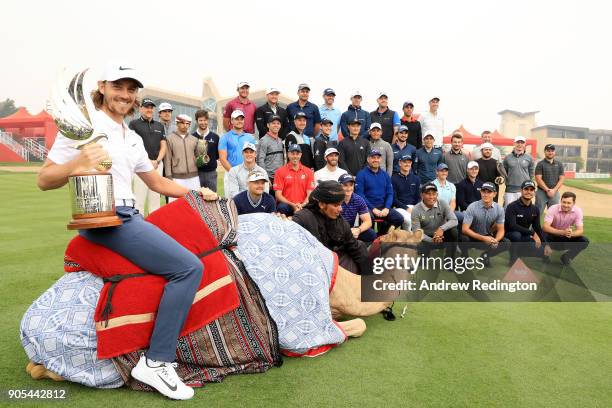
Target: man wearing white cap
<point x="520" y="167"/>
<point x="231" y="143"/>
<point x="242" y="103"/>
<point x="268" y="109"/>
<point x="235" y="180"/>
<point x="331" y="171"/>
<point x="140" y="242"/>
<point x="489" y="169"/>
<point x="355" y="113"/>
<point x="255" y="199"/>
<point x="309" y="109"/>
<point x="180" y="160"/>
<point x="432" y="122"/>
<point x="389" y="120"/>
<point x="164" y="111"/>
<point x="486" y="138"/>
<point x="377" y="143"/>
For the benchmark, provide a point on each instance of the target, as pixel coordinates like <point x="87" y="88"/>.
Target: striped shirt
<point x="356" y="206"/>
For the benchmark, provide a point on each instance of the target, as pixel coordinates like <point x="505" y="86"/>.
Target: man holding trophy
<point x="123" y="155"/>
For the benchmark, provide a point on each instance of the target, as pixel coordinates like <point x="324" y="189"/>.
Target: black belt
<point x="115" y="279"/>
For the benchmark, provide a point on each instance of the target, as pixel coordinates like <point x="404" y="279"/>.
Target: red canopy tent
<point x="497" y="138"/>
<point x="22" y="125"/>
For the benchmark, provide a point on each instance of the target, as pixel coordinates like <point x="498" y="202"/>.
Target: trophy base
<point x="99" y="220"/>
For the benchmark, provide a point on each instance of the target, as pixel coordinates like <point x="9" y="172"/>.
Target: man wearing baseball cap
<point x="411" y="121"/>
<point x="164" y="111"/>
<point x="405" y="190"/>
<point x="489" y="169"/>
<point x="377" y="143"/>
<point x="153" y="250"/>
<point x="323" y="142"/>
<point x="330" y="112"/>
<point x="235" y="180"/>
<point x="388" y="120"/>
<point x="550" y="175"/>
<point x="437" y="220"/>
<point x="374" y="185"/>
<point x="310" y="110"/>
<point x="255" y="199"/>
<point x="354" y="112"/>
<point x="268" y="109"/>
<point x="331" y="171"/>
<point x="447" y="191"/>
<point x="486" y="137"/>
<point x="401" y="147"/>
<point x="483" y="226"/>
<point x="299" y="137"/>
<point x="243" y="104"/>
<point x="523" y="227"/>
<point x="271" y="149"/>
<point x="432" y="122"/>
<point x="355" y="211"/>
<point x="152" y="133"/>
<point x="428" y="158"/>
<point x="354" y="149"/>
<point x="293" y="183"/>
<point x="520" y="167"/>
<point x="231" y="143"/>
<point x="468" y="189"/>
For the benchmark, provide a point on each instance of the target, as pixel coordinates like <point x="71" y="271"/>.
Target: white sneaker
<point x="162" y="377"/>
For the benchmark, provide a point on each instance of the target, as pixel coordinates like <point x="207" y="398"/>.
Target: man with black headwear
<point x="321" y="217"/>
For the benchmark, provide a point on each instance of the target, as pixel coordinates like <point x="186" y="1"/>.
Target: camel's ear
<point x="392" y="229"/>
<point x="418" y="235"/>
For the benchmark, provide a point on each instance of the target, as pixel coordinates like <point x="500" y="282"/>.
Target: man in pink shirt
<point x="243" y="103"/>
<point x="565" y="229"/>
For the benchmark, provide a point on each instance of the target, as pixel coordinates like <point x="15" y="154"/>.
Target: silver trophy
<point x="91" y="192"/>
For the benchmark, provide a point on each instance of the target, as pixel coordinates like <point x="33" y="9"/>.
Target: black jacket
<point x="415" y="134"/>
<point x="354" y="154"/>
<point x="386" y="123"/>
<point x="335" y="235"/>
<point x="262" y="114"/>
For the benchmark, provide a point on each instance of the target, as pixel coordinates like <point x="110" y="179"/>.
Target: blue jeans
<point x="156" y="252"/>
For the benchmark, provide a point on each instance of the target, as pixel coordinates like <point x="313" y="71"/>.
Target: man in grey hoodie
<point x="520" y="167"/>
<point x="377" y="143"/>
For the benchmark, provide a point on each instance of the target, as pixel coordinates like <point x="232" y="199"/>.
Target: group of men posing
<point x="384" y="170"/>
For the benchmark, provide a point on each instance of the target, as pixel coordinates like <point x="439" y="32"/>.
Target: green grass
<point x="440" y="355"/>
<point x="590" y="185"/>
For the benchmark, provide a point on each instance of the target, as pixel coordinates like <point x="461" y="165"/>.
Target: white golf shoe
<point x="162" y="377"/>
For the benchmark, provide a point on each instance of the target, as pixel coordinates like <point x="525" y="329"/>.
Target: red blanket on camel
<point x="135" y="300"/>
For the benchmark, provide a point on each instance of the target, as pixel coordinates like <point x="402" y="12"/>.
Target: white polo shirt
<point x="324" y="174"/>
<point x="127" y="153"/>
<point x="433" y="124"/>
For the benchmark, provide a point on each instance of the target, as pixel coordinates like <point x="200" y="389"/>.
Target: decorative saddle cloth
<point x="125" y="322"/>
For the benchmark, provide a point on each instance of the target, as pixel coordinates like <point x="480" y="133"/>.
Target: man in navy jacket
<point x="355" y="112"/>
<point x="374" y="185"/>
<point x="406" y="186"/>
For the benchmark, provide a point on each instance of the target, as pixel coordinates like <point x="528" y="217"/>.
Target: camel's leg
<point x="345" y="298"/>
<point x="39" y="371"/>
<point x="354" y="327"/>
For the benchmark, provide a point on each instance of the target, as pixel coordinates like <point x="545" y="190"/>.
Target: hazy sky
<point x="479" y="57"/>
